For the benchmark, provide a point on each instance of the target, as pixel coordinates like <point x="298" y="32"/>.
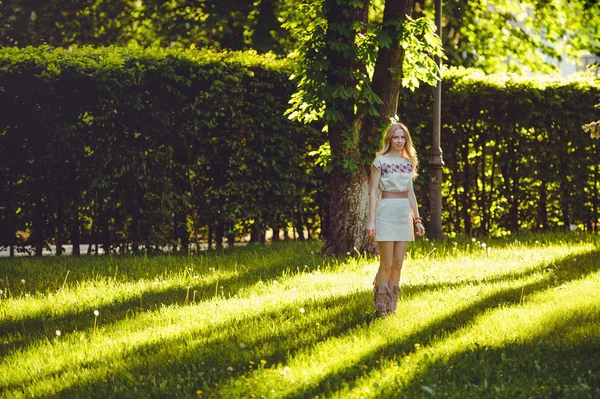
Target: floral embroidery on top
<point x="396" y="168"/>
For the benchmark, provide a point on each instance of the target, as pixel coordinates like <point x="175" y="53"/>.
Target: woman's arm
<point x="373" y="192"/>
<point x="412" y="200"/>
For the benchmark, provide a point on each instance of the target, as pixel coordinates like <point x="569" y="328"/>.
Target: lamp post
<point x="435" y="153"/>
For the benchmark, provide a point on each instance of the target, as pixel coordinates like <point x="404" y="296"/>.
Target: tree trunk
<point x="542" y="222"/>
<point x="299" y="225"/>
<point x="595" y="197"/>
<point x="59" y="230"/>
<point x="483" y="195"/>
<point x="350" y="189"/>
<point x="466" y="182"/>
<point x="219" y="234"/>
<point x="387" y="76"/>
<point x="180" y="231"/>
<point x="565" y="192"/>
<point x="76" y="236"/>
<point x="349" y="212"/>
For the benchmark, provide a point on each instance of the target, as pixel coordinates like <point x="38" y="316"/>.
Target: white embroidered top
<point x="396" y="173"/>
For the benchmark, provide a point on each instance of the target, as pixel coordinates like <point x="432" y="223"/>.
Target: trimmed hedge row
<point x="148" y="148"/>
<point x="516" y="156"/>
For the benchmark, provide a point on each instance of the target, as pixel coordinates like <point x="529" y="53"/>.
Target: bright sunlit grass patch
<point x="492" y="318"/>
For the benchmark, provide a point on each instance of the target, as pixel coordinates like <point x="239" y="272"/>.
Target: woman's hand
<point x="371" y="229"/>
<point x="420" y="229"/>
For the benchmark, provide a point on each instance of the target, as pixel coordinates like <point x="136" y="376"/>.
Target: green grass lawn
<point x="505" y="318"/>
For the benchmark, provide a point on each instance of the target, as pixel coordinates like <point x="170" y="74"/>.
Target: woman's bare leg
<point x="381" y="290"/>
<point x="394" y="280"/>
<point x="398" y="258"/>
<point x="386" y="261"/>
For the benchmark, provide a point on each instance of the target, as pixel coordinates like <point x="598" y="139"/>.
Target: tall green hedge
<point x="516" y="156"/>
<point x="147" y="147"/>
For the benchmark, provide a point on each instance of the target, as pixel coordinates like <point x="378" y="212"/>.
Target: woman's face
<point x="398" y="139"/>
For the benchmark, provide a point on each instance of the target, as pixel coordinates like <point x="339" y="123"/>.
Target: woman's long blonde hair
<point x="408" y="151"/>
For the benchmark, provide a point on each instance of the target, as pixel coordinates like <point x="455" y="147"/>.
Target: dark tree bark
<point x="350" y="190"/>
<point x="466" y="183"/>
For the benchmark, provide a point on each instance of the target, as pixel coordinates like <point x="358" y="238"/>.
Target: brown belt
<point x="394" y="194"/>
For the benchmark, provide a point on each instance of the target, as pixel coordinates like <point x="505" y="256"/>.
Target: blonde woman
<point x="393" y="218"/>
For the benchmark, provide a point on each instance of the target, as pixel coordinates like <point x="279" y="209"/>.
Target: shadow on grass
<point x="570" y="271"/>
<point x="562" y="268"/>
<point x="281" y="334"/>
<point x="29" y="329"/>
<point x="551" y="365"/>
<point x="157" y="369"/>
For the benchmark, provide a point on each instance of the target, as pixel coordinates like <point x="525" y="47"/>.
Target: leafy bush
<point x="145" y="147"/>
<point x="515" y="154"/>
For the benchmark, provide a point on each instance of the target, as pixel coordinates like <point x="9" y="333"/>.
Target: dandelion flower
<point x="58" y="333"/>
<point x="302" y="310"/>
<point x="96" y="313"/>
<point x="23" y="280"/>
<point x="242" y="345"/>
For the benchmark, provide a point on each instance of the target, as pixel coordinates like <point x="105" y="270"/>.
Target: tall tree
<point x="336" y="55"/>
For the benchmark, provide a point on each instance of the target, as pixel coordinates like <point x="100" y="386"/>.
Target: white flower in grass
<point x="242" y="345"/>
<point x="23" y="280"/>
<point x="348" y="253"/>
<point x="96" y="313"/>
<point x="474" y="239"/>
<point x="58" y="333"/>
<point x="302" y="310"/>
<point x="483" y="245"/>
<point x="230" y="369"/>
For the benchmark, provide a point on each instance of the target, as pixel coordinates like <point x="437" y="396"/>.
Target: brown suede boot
<point x="393" y="299"/>
<point x="381" y="297"/>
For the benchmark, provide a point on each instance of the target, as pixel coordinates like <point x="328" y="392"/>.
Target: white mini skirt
<point x="393" y="220"/>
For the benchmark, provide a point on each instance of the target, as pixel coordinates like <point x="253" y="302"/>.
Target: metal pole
<point x="435" y="153"/>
